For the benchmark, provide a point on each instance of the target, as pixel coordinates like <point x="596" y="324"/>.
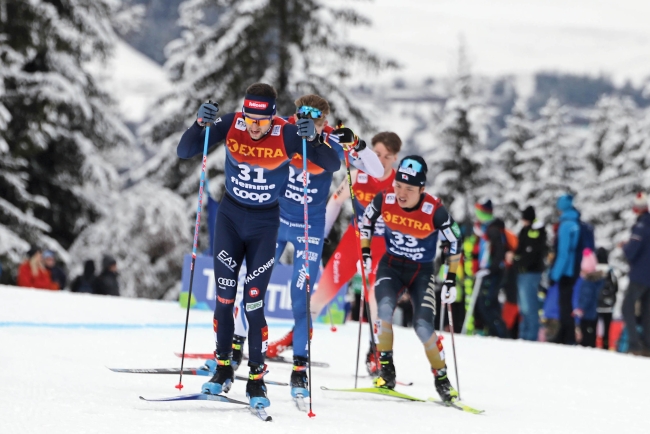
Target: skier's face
<point x="258" y="125"/>
<point x="407" y="195"/>
<point x="387" y="158"/>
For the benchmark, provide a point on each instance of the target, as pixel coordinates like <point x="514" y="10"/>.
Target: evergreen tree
<point x="55" y="123"/>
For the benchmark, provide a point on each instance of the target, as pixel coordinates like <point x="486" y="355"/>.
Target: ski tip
<point x="143" y="398"/>
<point x="323" y="388"/>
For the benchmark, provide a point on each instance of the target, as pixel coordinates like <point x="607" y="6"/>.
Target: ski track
<point x="54" y="380"/>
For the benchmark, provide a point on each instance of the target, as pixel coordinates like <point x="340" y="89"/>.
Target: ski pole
<point x="305" y="177"/>
<point x="453" y="345"/>
<point x="329" y="312"/>
<point x="364" y="293"/>
<point x="179" y="386"/>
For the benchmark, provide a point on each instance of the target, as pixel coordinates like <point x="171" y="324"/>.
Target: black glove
<point x="367" y="259"/>
<point x="306" y="128"/>
<point x="361" y="145"/>
<point x="207" y="113"/>
<point x="345" y="135"/>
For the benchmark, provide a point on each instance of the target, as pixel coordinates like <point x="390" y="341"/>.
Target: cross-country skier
<point x="343" y="263"/>
<point x="259" y="148"/>
<point x="292" y="229"/>
<point x="413" y="221"/>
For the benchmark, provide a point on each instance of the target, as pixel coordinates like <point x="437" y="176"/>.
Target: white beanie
<point x="640" y="202"/>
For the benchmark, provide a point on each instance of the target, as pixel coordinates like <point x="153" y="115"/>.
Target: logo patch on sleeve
<point x="427" y="208"/>
<point x="240" y="125"/>
<point x="362" y="178"/>
<point x="390" y="198"/>
<point x="277" y="129"/>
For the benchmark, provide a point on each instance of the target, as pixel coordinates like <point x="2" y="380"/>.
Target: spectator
<point x="589" y="288"/>
<point x="491" y="256"/>
<point x="529" y="262"/>
<point x="32" y="273"/>
<point x="56" y="273"/>
<point x="565" y="269"/>
<point x="106" y="283"/>
<point x="637" y="252"/>
<point x="84" y="283"/>
<point x="607" y="298"/>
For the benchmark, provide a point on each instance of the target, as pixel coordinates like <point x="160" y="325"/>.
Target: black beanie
<point x="528" y="214"/>
<point x="412" y="170"/>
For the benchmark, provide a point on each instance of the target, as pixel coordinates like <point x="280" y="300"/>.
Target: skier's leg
<point x="339" y="270"/>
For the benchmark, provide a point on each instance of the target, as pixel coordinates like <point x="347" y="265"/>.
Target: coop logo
<point x="226" y="260"/>
<point x="251" y="195"/>
<point x="297" y="197"/>
<point x="226" y="282"/>
<point x="257" y="105"/>
<point x="254" y="292"/>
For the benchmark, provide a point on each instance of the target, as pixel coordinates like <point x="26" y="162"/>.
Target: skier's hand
<point x="306" y="128"/>
<point x="207" y="113"/>
<point x="347" y="139"/>
<point x="360" y="146"/>
<point x="448" y="294"/>
<point x="367" y="259"/>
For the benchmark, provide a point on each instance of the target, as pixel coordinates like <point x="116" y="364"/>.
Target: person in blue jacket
<point x="565" y="269"/>
<point x="637" y="252"/>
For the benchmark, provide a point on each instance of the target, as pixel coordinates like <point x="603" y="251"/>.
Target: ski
<point x="301" y="405"/>
<point x="278" y="359"/>
<point x="378" y="391"/>
<point x="187" y="371"/>
<point x="261" y="413"/>
<point x="400" y="383"/>
<point x="457" y="405"/>
<point x="196" y="397"/>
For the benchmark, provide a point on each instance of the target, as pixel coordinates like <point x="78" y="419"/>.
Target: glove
<point x="361" y="145"/>
<point x="367" y="259"/>
<point x="346" y="136"/>
<point x="306" y="128"/>
<point x="448" y="294"/>
<point x="207" y="113"/>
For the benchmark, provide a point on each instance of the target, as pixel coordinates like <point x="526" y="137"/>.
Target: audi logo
<point x="226" y="282"/>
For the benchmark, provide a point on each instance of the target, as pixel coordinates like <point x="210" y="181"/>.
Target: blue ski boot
<point x="222" y="380"/>
<point x="299" y="380"/>
<point x="237" y="351"/>
<point x="255" y="388"/>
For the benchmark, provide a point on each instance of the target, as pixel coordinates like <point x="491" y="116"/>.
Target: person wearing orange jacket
<point x="33" y="274"/>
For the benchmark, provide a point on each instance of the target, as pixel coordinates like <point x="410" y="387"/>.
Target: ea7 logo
<point x="226" y="260"/>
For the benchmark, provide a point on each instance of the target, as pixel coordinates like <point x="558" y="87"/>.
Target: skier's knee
<point x="385" y="309"/>
<point x="424" y="329"/>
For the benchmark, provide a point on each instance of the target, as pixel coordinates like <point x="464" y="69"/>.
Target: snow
<point x="134" y="80"/>
<point x="56" y="347"/>
<point x="510" y="37"/>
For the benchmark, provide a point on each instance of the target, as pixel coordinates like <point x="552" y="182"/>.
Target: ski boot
<point x="372" y="363"/>
<point x="443" y="385"/>
<point x="386" y="378"/>
<point x="237" y="351"/>
<point x="222" y="379"/>
<point x="284" y="343"/>
<point x="299" y="380"/>
<point x="255" y="388"/>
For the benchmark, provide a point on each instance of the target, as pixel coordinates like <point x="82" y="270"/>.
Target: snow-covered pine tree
<point x="55" y="122"/>
<point x="549" y="161"/>
<point x="615" y="153"/>
<point x="458" y="154"/>
<point x="505" y="158"/>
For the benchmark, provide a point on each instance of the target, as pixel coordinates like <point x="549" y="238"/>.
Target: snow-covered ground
<point x="55" y="347"/>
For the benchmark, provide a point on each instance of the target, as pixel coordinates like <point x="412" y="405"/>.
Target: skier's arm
<point x="321" y="154"/>
<point x="367" y="161"/>
<point x="333" y="208"/>
<point x="367" y="224"/>
<point x="192" y="140"/>
<point x="361" y="157"/>
<point x="449" y="229"/>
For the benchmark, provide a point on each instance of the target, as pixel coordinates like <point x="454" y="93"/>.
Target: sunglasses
<point x="261" y="122"/>
<point x="309" y="112"/>
<point x="413" y="164"/>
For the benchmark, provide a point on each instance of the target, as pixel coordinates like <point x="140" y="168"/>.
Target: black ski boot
<point x="299" y="380"/>
<point x="386" y="378"/>
<point x="443" y="385"/>
<point x="255" y="388"/>
<point x="237" y="351"/>
<point x="222" y="380"/>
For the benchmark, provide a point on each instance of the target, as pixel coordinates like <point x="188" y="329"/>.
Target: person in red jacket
<point x="33" y="274"/>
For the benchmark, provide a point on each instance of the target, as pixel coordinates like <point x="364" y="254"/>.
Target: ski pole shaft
<point x="194" y="247"/>
<point x="453" y="346"/>
<point x="329" y="313"/>
<point x="305" y="180"/>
